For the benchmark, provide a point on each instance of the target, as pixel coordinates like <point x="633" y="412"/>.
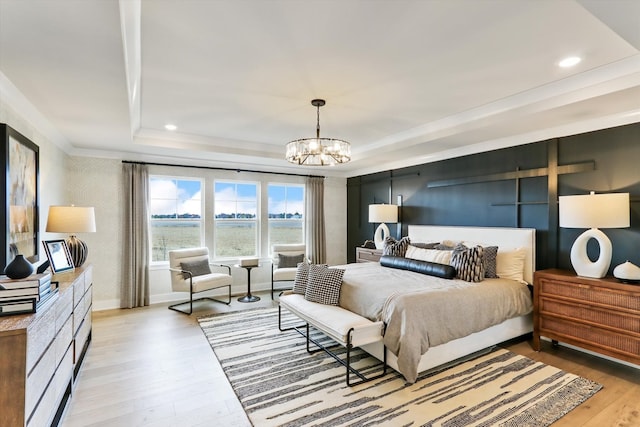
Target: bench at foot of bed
<point x="343" y="326"/>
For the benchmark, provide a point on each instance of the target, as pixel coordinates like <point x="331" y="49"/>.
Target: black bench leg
<point x="349" y="346"/>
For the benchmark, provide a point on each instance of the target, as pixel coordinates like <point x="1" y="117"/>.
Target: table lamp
<point x="593" y="211"/>
<point x="73" y="219"/>
<point x="382" y="214"/>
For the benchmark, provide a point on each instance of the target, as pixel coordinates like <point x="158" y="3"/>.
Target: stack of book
<point x="26" y="295"/>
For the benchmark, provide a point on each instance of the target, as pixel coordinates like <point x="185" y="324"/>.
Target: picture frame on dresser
<point x="20" y="186"/>
<point x="58" y="255"/>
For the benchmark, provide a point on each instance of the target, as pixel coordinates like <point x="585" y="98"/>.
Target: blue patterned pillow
<point x="468" y="263"/>
<point x="395" y="247"/>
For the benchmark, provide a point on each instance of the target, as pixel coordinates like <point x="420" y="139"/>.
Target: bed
<point x="430" y="321"/>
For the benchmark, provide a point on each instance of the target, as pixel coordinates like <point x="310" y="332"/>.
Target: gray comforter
<point x="423" y="311"/>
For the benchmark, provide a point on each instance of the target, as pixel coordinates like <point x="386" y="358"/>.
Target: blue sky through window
<point x="285" y="199"/>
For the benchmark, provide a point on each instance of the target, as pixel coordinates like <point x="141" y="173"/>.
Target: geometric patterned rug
<point x="280" y="384"/>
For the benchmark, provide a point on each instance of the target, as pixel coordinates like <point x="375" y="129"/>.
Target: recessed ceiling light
<point x="170" y="126"/>
<point x="569" y="61"/>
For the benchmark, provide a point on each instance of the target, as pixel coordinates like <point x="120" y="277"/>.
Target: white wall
<point x="98" y="183"/>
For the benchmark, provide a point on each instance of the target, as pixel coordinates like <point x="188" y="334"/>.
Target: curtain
<point x="134" y="290"/>
<point x="316" y="239"/>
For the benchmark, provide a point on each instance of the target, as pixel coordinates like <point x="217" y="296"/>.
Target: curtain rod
<point x="221" y="169"/>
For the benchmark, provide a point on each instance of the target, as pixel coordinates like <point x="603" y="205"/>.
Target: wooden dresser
<point x="368" y="255"/>
<point x="41" y="353"/>
<point x="601" y="315"/>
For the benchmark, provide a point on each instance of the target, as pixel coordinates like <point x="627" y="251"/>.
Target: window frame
<point x="257" y="219"/>
<point x="201" y="220"/>
<point x="303" y="220"/>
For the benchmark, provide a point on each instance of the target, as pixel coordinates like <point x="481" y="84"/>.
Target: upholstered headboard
<point x="503" y="237"/>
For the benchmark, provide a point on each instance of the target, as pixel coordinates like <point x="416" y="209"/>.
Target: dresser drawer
<point x="63" y="340"/>
<point x="590" y="294"/>
<point x="88" y="298"/>
<point x="368" y="255"/>
<point x="78" y="316"/>
<point x="39" y="378"/>
<point x="40" y="335"/>
<point x="78" y="290"/>
<point x="586" y="313"/>
<point x="46" y="408"/>
<point x="64" y="307"/>
<point x="81" y="339"/>
<point x="591" y="335"/>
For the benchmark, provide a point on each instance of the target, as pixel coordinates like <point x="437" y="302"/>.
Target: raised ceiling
<point x="406" y="81"/>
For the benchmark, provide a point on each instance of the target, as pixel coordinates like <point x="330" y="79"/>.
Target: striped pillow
<point x="468" y="263"/>
<point x="395" y="247"/>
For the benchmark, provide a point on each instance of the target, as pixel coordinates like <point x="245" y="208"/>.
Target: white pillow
<point x="431" y="255"/>
<point x="510" y="264"/>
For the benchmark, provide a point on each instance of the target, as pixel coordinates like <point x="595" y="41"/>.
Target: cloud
<point x="167" y="198"/>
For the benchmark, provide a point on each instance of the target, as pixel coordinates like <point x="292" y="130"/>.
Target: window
<point x="235" y="219"/>
<point x="175" y="206"/>
<point x="286" y="214"/>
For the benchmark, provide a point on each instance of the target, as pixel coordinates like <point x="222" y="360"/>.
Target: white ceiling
<point x="406" y="81"/>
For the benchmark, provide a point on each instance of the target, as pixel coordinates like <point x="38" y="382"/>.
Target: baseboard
<point x="172" y="297"/>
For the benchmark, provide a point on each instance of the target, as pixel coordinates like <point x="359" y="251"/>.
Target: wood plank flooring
<point x="153" y="367"/>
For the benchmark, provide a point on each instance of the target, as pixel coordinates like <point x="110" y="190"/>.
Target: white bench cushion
<point x="332" y="320"/>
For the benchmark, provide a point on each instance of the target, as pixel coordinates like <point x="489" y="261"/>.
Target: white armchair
<point x="191" y="272"/>
<point x="285" y="259"/>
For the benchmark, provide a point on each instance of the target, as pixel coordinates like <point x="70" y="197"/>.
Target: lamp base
<point x="78" y="250"/>
<point x="581" y="262"/>
<point x="381" y="234"/>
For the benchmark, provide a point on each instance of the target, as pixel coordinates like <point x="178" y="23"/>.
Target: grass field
<point x="232" y="240"/>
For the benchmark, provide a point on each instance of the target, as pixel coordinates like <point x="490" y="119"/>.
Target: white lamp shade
<point x="71" y="219"/>
<point x="595" y="211"/>
<point x="383" y="213"/>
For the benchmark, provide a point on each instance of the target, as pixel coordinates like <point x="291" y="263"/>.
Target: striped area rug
<point x="280" y="384"/>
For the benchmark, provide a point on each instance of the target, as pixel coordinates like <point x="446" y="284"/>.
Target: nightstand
<point x="601" y="315"/>
<point x="368" y="255"/>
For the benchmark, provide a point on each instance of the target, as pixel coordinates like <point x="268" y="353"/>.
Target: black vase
<point x="19" y="268"/>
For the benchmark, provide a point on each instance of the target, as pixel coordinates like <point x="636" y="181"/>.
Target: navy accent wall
<point x="511" y="187"/>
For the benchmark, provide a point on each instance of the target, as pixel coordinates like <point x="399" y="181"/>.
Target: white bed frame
<point x="505" y="239"/>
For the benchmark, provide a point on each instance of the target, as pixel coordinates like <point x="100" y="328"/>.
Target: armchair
<point x="285" y="259"/>
<point x="191" y="272"/>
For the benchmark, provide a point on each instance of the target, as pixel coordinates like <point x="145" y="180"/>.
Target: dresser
<point x="41" y="353"/>
<point x="600" y="315"/>
<point x="368" y="255"/>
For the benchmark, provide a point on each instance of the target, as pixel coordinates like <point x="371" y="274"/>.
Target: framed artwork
<point x="58" y="255"/>
<point x="19" y="184"/>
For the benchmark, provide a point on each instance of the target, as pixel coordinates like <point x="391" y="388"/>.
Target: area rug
<point x="280" y="384"/>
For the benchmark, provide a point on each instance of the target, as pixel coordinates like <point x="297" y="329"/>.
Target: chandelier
<point x="318" y="151"/>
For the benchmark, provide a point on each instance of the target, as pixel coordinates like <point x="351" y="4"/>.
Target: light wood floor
<point x="153" y="367"/>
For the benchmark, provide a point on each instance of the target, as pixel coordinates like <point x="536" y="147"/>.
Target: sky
<point x="182" y="196"/>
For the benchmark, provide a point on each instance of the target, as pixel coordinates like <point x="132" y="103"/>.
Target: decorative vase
<point x="627" y="273"/>
<point x="19" y="268"/>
